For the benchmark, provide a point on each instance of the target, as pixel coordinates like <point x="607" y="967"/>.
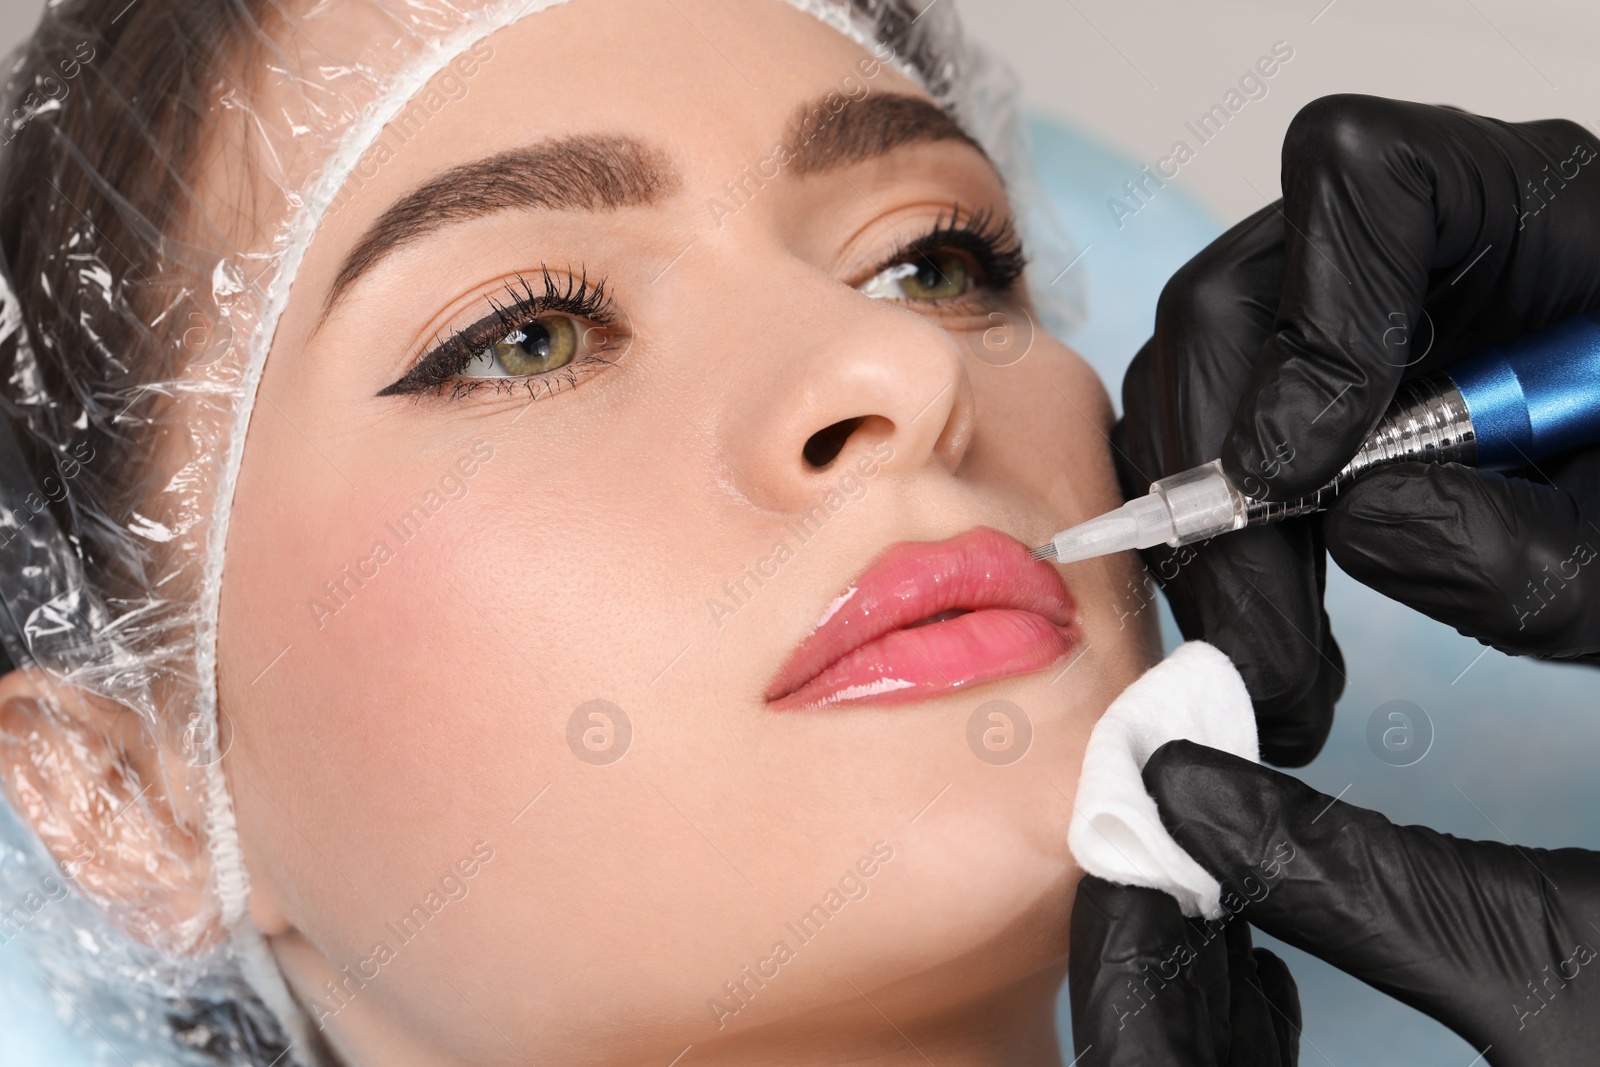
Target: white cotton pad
<point x="1116" y="832"/>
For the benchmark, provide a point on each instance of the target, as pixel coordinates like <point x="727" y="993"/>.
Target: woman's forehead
<point x="314" y="71"/>
<point x="621" y="68"/>
<point x="575" y="108"/>
<point x="702" y="81"/>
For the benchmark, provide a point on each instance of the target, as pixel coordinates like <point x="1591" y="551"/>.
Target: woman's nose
<point x="832" y="375"/>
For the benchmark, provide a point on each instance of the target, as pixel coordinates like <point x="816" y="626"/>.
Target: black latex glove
<point x="1150" y="987"/>
<point x="1408" y="236"/>
<point x="1499" y="943"/>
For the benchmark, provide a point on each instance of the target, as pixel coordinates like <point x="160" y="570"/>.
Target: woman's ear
<point x="110" y="805"/>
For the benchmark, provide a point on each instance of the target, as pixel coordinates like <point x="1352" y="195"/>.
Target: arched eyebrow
<point x="832" y="137"/>
<point x="588" y="172"/>
<point x="578" y="173"/>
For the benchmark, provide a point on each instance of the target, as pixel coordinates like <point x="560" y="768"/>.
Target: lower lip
<point x="925" y="661"/>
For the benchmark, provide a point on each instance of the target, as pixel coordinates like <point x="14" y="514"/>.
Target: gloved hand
<point x="1408" y="236"/>
<point x="1151" y="987"/>
<point x="1497" y="942"/>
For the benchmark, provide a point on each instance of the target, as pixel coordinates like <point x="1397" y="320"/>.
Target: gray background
<point x="1111" y="84"/>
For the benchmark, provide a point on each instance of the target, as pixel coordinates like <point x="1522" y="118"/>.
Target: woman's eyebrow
<point x="833" y="135"/>
<point x="578" y="173"/>
<point x="587" y="172"/>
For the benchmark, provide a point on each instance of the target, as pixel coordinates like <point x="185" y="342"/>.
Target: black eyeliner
<point x="991" y="243"/>
<point x="440" y="364"/>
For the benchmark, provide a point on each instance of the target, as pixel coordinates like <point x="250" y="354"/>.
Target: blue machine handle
<point x="1534" y="396"/>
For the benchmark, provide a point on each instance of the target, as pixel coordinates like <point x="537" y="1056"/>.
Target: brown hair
<point x="104" y="118"/>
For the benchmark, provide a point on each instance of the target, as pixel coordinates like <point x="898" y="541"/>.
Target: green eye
<point x="931" y="276"/>
<point x="539" y="345"/>
<point x="937" y="277"/>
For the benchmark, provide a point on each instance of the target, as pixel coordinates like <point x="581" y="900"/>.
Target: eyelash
<point x="437" y="369"/>
<point x="992" y="244"/>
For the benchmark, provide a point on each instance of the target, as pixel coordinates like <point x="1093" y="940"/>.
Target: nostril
<point x="824" y="446"/>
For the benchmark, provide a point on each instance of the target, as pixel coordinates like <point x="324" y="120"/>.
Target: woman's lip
<point x="1017" y="617"/>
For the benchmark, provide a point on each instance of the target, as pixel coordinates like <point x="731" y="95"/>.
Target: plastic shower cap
<point x="135" y="319"/>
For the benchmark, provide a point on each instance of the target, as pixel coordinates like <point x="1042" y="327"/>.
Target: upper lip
<point x="911" y="581"/>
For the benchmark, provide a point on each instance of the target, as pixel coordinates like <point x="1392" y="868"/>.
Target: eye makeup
<point x="955" y="266"/>
<point x="530" y="316"/>
<point x="987" y="246"/>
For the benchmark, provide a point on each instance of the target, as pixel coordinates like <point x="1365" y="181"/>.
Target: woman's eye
<point x="930" y="276"/>
<point x="541" y="344"/>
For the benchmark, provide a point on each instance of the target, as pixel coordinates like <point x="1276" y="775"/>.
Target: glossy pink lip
<point x="879" y="642"/>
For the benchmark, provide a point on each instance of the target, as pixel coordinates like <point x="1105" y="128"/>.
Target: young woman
<point x="528" y="559"/>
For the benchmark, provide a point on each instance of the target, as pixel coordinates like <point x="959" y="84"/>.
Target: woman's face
<point x="530" y="744"/>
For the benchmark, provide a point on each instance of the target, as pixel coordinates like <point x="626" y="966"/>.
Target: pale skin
<point x="426" y="712"/>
